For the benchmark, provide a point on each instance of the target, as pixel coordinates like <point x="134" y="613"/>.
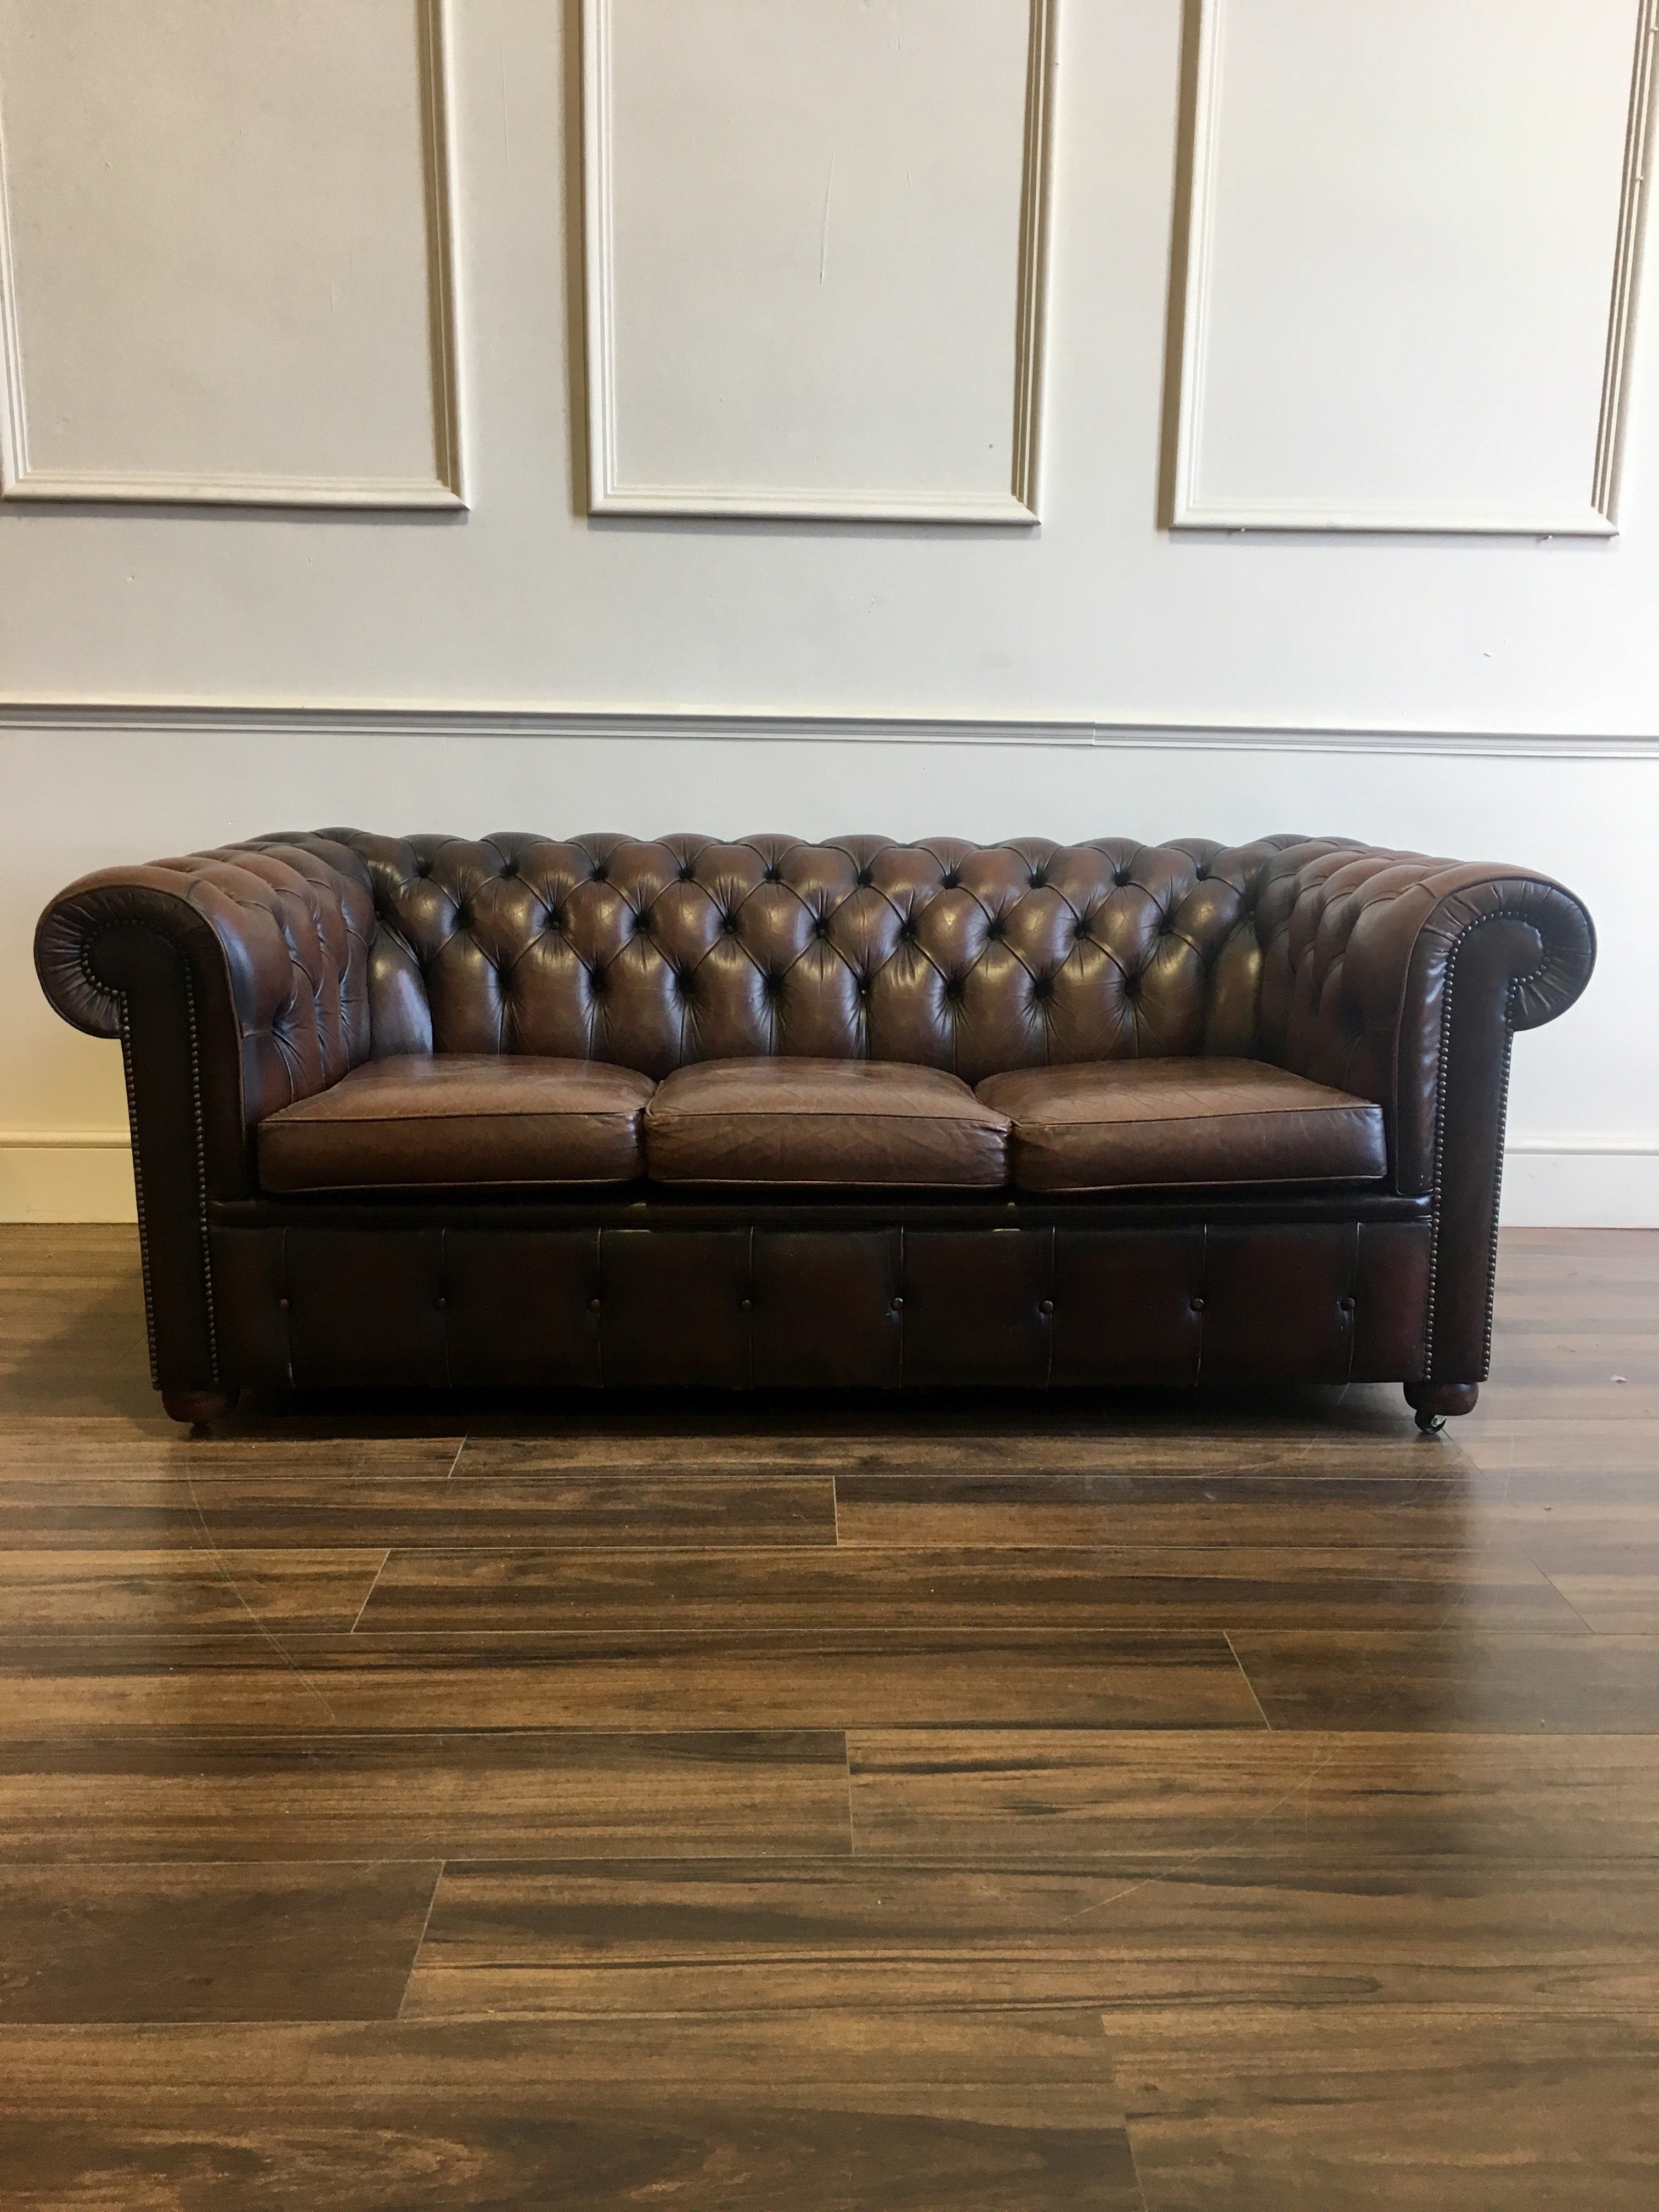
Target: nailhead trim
<point x="1518" y="983"/>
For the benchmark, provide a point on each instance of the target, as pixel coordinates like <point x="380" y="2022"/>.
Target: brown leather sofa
<point x="435" y="1112"/>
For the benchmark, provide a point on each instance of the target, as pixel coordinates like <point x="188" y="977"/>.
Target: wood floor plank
<point x="990" y="1795"/>
<point x="1253" y="1511"/>
<point x="1611" y="1580"/>
<point x="81" y="1453"/>
<point x="1362" y="1434"/>
<point x="1488" y="1681"/>
<point x="1288" y="1927"/>
<point x="316" y="1510"/>
<point x="831" y="1678"/>
<point x="1614" y="1603"/>
<point x="1540" y="1448"/>
<point x="1113" y="1586"/>
<point x="117" y="1592"/>
<point x="199" y="1942"/>
<point x="1285" y="2109"/>
<point x="979" y="2112"/>
<point x="569" y="1793"/>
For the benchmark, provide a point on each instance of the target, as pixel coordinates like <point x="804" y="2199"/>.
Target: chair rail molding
<point x="486" y="719"/>
<point x="609" y="493"/>
<point x="22" y="481"/>
<point x="1189" y="506"/>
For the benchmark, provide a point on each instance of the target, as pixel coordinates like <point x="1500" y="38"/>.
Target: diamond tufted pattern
<point x="652" y="955"/>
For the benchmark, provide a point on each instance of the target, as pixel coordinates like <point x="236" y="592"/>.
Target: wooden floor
<point x="1040" y="1805"/>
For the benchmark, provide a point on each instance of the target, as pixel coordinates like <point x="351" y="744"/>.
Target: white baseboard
<point x="1549" y="1182"/>
<point x="1581" y="1183"/>
<point x="66" y="1174"/>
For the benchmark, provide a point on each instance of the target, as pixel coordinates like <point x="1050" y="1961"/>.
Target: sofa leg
<point x="196" y="1408"/>
<point x="1434" y="1400"/>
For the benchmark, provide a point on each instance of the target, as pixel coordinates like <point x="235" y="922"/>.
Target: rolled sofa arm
<point x="1404" y="979"/>
<point x="237" y="982"/>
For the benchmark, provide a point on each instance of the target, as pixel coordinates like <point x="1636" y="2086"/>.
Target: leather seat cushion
<point x="460" y="1120"/>
<point x="1128" y="1124"/>
<point x="839" y="1124"/>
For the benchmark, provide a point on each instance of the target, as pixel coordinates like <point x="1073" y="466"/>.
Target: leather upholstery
<point x="244" y="980"/>
<point x="655" y="955"/>
<point x="1124" y="1125"/>
<point x="313" y="1304"/>
<point x="839" y="1124"/>
<point x="481" y="1121"/>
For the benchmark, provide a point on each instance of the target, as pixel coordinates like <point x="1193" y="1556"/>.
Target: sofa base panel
<point x="738" y="1306"/>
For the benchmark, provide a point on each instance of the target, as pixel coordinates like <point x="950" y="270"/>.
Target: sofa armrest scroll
<point x="236" y="981"/>
<point x="1404" y="979"/>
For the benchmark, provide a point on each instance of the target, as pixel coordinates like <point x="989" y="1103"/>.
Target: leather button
<point x="1347" y="1305"/>
<point x="1198" y="1306"/>
<point x="282" y="1305"/>
<point x="593" y="1305"/>
<point x="746" y="1303"/>
<point x="898" y="1305"/>
<point x="1048" y="1305"/>
<point x="442" y="1304"/>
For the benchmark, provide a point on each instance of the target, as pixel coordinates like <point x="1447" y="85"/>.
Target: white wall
<point x="1530" y="671"/>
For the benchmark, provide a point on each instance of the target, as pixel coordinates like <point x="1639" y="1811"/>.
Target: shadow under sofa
<point x="445" y="1113"/>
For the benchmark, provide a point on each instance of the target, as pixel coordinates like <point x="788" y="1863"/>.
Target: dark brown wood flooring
<point x="1235" y="1803"/>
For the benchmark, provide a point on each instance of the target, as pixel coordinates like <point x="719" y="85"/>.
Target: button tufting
<point x="1198" y="1306"/>
<point x="1048" y="1305"/>
<point x="898" y="1305"/>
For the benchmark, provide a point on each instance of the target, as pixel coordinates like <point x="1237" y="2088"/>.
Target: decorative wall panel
<point x="1410" y="244"/>
<point x="814" y="239"/>
<point x="225" y="271"/>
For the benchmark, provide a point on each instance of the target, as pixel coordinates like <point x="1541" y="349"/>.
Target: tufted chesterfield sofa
<point x="440" y="1113"/>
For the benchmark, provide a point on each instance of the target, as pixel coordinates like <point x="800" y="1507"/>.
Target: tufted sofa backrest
<point x="650" y="954"/>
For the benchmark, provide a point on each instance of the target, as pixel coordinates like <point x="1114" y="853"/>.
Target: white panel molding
<point x="529" y="718"/>
<point x="1597" y="518"/>
<point x="607" y="494"/>
<point x="1626" y="272"/>
<point x="21" y="482"/>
